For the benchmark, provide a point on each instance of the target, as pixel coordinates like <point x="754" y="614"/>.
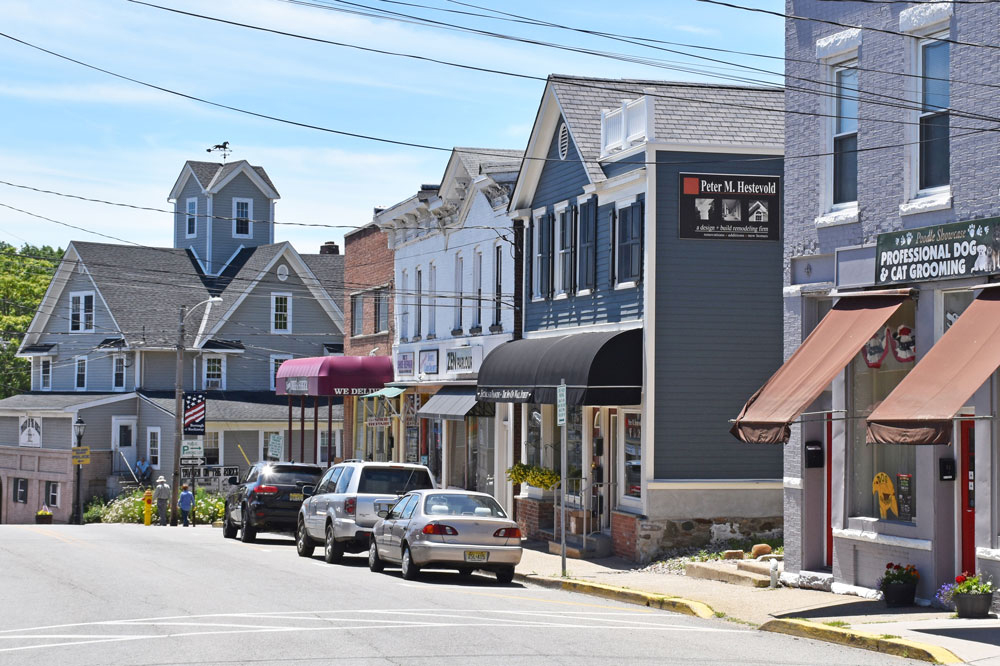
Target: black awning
<point x="598" y="368"/>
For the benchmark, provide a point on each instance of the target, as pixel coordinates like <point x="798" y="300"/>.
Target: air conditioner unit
<point x="213" y="383"/>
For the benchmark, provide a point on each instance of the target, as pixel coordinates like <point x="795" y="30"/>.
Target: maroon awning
<point x="333" y="375"/>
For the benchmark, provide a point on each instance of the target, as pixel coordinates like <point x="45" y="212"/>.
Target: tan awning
<point x="854" y="319"/>
<point x="921" y="409"/>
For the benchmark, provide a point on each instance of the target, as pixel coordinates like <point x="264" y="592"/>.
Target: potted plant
<point x="899" y="584"/>
<point x="43" y="517"/>
<point x="970" y="595"/>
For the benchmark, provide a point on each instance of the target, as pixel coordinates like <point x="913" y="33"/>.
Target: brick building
<point x="369" y="322"/>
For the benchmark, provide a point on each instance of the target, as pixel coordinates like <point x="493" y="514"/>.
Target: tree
<point x="24" y="276"/>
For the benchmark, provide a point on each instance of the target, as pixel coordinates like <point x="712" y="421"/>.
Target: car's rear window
<point x="453" y="504"/>
<point x="395" y="480"/>
<point x="290" y="475"/>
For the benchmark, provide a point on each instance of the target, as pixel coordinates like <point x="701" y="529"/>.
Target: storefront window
<point x="457" y="454"/>
<point x="955" y="303"/>
<point x="574" y="449"/>
<point x="533" y="441"/>
<point x="430" y="451"/>
<point x="883" y="475"/>
<point x="481" y="453"/>
<point x="633" y="455"/>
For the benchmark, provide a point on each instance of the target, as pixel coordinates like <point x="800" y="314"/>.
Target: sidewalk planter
<point x="897" y="595"/>
<point x="973" y="605"/>
<point x="43" y="518"/>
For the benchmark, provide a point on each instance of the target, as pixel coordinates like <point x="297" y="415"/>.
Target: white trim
<point x="736" y="148"/>
<point x="114" y="371"/>
<point x="249" y="202"/>
<point x="245" y="168"/>
<point x="76" y="372"/>
<point x="182" y="178"/>
<point x="58" y="487"/>
<point x="882" y="539"/>
<point x="792" y="482"/>
<point x="270" y="232"/>
<point x="82" y="295"/>
<point x="927" y="201"/>
<point x="559" y="290"/>
<point x="159" y="445"/>
<point x="153" y="404"/>
<point x="115" y="441"/>
<point x="838" y="43"/>
<point x="714" y="484"/>
<point x="209" y="205"/>
<point x="839" y="216"/>
<point x="204" y="267"/>
<point x="589" y="328"/>
<point x="98" y="403"/>
<point x="230" y="259"/>
<point x="924" y="16"/>
<point x="270" y="366"/>
<point x="204" y="372"/>
<point x="41" y="383"/>
<point x="648" y="321"/>
<point x="187" y="214"/>
<point x="911" y="163"/>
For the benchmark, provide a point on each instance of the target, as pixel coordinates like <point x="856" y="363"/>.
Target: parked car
<point x="344" y="508"/>
<point x="446" y="529"/>
<point x="268" y="499"/>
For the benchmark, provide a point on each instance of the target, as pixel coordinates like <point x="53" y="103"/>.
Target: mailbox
<point x="814" y="454"/>
<point x="946" y="469"/>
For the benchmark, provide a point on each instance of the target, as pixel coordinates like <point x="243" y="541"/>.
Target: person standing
<point x="161" y="495"/>
<point x="185" y="503"/>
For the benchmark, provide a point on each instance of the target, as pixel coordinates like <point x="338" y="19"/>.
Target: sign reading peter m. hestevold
<point x="715" y="206"/>
<point x="959" y="249"/>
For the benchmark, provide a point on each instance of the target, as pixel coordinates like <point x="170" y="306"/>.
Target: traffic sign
<point x="81" y="460"/>
<point x="192" y="448"/>
<point x="275" y="446"/>
<point x="193" y="461"/>
<point x="561" y="405"/>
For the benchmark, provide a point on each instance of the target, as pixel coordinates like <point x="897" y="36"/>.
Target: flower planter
<point x="973" y="605"/>
<point x="899" y="594"/>
<point x="43" y="519"/>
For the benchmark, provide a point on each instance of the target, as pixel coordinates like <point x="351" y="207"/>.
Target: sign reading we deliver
<point x="729" y="207"/>
<point x="955" y="250"/>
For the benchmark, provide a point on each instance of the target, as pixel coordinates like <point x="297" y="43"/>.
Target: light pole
<point x="78" y="428"/>
<point x="179" y="403"/>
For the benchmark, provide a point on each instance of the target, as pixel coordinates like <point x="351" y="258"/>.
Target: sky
<point x="70" y="129"/>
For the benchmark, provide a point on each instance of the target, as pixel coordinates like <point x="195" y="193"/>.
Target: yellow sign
<point x="882" y="486"/>
<point x="81" y="461"/>
<point x="81" y="450"/>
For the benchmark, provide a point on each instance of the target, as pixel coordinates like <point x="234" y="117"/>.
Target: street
<point x="126" y="594"/>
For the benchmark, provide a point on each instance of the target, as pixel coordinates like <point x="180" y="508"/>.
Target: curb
<point x="624" y="595"/>
<point x="899" y="647"/>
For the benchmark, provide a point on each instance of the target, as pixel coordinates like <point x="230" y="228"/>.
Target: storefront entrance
<point x="967" y="478"/>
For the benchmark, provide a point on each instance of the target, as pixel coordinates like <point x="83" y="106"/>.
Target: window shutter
<point x="637" y="237"/>
<point x="612" y="225"/>
<point x="575" y="240"/>
<point x="551" y="253"/>
<point x="528" y="259"/>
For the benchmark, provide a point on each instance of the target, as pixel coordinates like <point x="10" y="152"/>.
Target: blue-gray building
<point x="650" y="221"/>
<point x="887" y="401"/>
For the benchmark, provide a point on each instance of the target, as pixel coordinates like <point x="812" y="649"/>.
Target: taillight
<point x="351" y="506"/>
<point x="266" y="490"/>
<point x="508" y="533"/>
<point x="438" y="528"/>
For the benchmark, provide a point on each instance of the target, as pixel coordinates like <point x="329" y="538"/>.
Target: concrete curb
<point x="899" y="647"/>
<point x="624" y="595"/>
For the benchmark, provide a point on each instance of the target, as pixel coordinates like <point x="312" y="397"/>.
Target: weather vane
<point x="222" y="148"/>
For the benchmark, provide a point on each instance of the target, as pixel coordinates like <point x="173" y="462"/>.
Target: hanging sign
<point x="29" y="431"/>
<point x="404" y="363"/>
<point x="956" y="250"/>
<point x="194" y="413"/>
<point x="729" y="207"/>
<point x="378" y="422"/>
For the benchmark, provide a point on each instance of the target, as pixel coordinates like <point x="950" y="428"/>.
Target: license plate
<point x="476" y="556"/>
<point x="295" y="497"/>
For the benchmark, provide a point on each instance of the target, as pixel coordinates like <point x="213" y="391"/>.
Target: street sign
<point x="276" y="446"/>
<point x="192" y="448"/>
<point x="561" y="405"/>
<point x="81" y="460"/>
<point x="193" y="461"/>
<point x="81" y="450"/>
<point x="209" y="471"/>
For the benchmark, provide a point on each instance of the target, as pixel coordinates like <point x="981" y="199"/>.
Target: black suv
<point x="268" y="499"/>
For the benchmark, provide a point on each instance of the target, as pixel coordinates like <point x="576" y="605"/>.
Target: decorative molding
<point x="924" y="16"/>
<point x="838" y="43"/>
<point x="836" y="218"/>
<point x="883" y="539"/>
<point x="927" y="204"/>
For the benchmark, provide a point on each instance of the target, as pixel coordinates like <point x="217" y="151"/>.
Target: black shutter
<point x="529" y="261"/>
<point x="638" y="225"/>
<point x="575" y="243"/>
<point x="613" y="244"/>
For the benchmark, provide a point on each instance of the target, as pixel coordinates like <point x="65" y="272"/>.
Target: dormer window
<point x="81" y="312"/>
<point x="242" y="218"/>
<point x="192" y="218"/>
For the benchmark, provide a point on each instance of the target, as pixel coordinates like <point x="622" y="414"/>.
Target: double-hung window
<point x="404" y="310"/>
<point x="153" y="446"/>
<point x="357" y="314"/>
<point x="191" y="222"/>
<point x="432" y="299"/>
<point x="80" y="366"/>
<point x="213" y="448"/>
<point x="477" y="285"/>
<point x="215" y="372"/>
<point x="382" y="308"/>
<point x="20" y="490"/>
<point x="845" y="136"/>
<point x="418" y="328"/>
<point x="497" y="283"/>
<point x="276" y="361"/>
<point x="935" y="98"/>
<point x="81" y="312"/>
<point x="459" y="274"/>
<point x="629" y="250"/>
<point x="52" y="494"/>
<point x="281" y="313"/>
<point x="566" y="239"/>
<point x="242" y="218"/>
<point x="45" y="374"/>
<point x="118" y="372"/>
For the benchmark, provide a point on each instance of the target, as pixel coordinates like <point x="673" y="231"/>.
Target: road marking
<point x="55" y="535"/>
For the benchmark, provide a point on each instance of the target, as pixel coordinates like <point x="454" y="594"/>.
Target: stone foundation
<point x="642" y="539"/>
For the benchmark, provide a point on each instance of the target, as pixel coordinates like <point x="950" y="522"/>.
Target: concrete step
<point x="598" y="545"/>
<point x="759" y="567"/>
<point x="727" y="573"/>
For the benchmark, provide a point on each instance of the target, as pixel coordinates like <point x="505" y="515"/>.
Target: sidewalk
<point x="916" y="631"/>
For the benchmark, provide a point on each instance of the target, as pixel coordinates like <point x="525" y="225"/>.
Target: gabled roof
<point x="488" y="160"/>
<point x="329" y="270"/>
<point x="212" y="177"/>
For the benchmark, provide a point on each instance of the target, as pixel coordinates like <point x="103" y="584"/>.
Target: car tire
<point x="247" y="533"/>
<point x="465" y="572"/>
<point x="505" y="575"/>
<point x="303" y="543"/>
<point x="228" y="529"/>
<point x="410" y="570"/>
<point x="375" y="562"/>
<point x="333" y="551"/>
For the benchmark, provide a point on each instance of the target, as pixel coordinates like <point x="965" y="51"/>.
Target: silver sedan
<point x="446" y="529"/>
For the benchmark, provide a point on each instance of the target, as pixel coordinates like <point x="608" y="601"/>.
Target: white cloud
<point x="695" y="29"/>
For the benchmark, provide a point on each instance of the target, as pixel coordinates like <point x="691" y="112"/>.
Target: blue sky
<point x="73" y="130"/>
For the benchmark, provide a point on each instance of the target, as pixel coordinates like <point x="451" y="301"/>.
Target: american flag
<point x="194" y="413"/>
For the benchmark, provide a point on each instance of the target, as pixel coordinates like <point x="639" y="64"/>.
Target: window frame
<point x="357" y="315"/>
<point x="403" y="327"/>
<point x="115" y="360"/>
<point x="835" y="136"/>
<point x="220" y="440"/>
<point x="44" y="379"/>
<point x="275" y="295"/>
<point x="248" y="218"/>
<point x="562" y="251"/>
<point x="432" y="299"/>
<point x="76" y="372"/>
<point x="498" y="284"/>
<point x="51" y="486"/>
<point x="418" y="285"/>
<point x="274" y="370"/>
<point x="932" y="38"/>
<point x="150" y="430"/>
<point x="20" y="490"/>
<point x="543" y="225"/>
<point x="81" y="322"/>
<point x="191" y="218"/>
<point x="204" y="371"/>
<point x="477" y="286"/>
<point x="458" y="320"/>
<point x="635" y="278"/>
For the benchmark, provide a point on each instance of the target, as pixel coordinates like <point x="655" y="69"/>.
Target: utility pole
<point x="178" y="416"/>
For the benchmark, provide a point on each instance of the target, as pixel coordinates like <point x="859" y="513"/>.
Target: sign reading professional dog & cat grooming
<point x="729" y="207"/>
<point x="960" y="249"/>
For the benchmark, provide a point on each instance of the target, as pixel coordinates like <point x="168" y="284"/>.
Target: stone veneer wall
<point x="533" y="516"/>
<point x="643" y="540"/>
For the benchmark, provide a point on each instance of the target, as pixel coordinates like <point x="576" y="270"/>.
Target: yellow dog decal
<point x="882" y="486"/>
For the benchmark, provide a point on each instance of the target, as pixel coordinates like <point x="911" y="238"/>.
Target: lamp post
<point x="78" y="429"/>
<point x="179" y="402"/>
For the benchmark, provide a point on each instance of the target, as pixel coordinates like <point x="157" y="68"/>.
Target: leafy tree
<point x="24" y="276"/>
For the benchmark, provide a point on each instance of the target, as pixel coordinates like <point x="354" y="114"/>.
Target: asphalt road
<point x="124" y="594"/>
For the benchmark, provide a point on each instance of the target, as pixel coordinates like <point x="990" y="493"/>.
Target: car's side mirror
<point x="308" y="491"/>
<point x="233" y="481"/>
<point x="383" y="513"/>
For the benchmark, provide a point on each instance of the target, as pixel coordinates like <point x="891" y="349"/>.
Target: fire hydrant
<point x="147" y="507"/>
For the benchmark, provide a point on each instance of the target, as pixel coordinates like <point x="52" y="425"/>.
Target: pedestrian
<point x="161" y="494"/>
<point x="185" y="503"/>
<point x="143" y="470"/>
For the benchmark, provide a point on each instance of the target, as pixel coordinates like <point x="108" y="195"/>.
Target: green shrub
<point x="94" y="513"/>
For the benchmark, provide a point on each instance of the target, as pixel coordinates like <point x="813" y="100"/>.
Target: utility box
<point x="814" y="454"/>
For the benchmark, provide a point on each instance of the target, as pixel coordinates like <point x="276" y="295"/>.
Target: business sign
<point x="404" y="363"/>
<point x="378" y="421"/>
<point x="275" y="445"/>
<point x="463" y="359"/>
<point x="729" y="207"/>
<point x="194" y="413"/>
<point x="297" y="385"/>
<point x="956" y="250"/>
<point x="29" y="431"/>
<point x="429" y="361"/>
<point x="192" y="448"/>
<point x="561" y="405"/>
<point x="210" y="471"/>
<point x="504" y="394"/>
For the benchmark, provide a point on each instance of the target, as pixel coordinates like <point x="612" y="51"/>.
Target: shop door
<point x="967" y="478"/>
<point x="608" y="494"/>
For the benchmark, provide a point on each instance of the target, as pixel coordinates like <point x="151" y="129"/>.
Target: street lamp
<point x="179" y="402"/>
<point x="78" y="429"/>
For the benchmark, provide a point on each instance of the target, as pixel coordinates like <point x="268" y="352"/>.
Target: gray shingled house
<point x="103" y="344"/>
